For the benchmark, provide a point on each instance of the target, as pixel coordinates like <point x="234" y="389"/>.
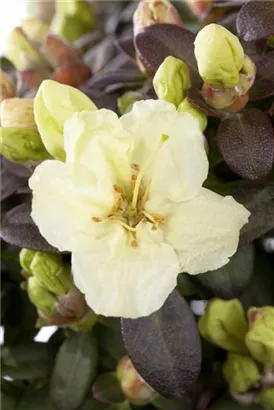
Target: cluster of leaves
<point x="74" y="370"/>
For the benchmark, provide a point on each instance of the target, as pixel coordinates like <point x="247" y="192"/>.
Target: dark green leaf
<point x="106" y="389"/>
<point x="159" y="41"/>
<point x="256" y="20"/>
<point x="19" y="229"/>
<point x="8" y="402"/>
<point x="74" y="371"/>
<point x="92" y="404"/>
<point x="165" y="347"/>
<point x="184" y="403"/>
<point x="230" y="280"/>
<point x="246" y="142"/>
<point x="227" y="403"/>
<point x="35" y="399"/>
<point x="27" y="361"/>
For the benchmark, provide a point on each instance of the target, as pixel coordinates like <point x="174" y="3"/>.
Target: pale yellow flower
<point x="129" y="204"/>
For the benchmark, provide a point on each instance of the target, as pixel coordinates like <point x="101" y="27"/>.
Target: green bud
<point x="54" y="104"/>
<point x="51" y="273"/>
<point x="35" y="29"/>
<point x="171" y="81"/>
<point x="186" y="106"/>
<point x="240" y="372"/>
<point x="21" y="52"/>
<point x="219" y="55"/>
<point x="41" y="297"/>
<point x="42" y="10"/>
<point x="224" y="324"/>
<point x="126" y="101"/>
<point x="86" y="323"/>
<point x="25" y="258"/>
<point x="260" y="336"/>
<point x="21" y="146"/>
<point x="134" y="387"/>
<point x="18" y="113"/>
<point x="7" y="86"/>
<point x="266" y="398"/>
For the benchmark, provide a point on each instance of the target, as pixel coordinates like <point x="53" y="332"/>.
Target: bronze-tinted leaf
<point x="256" y="20"/>
<point x="165" y="347"/>
<point x="246" y="142"/>
<point x="196" y="99"/>
<point x="264" y="83"/>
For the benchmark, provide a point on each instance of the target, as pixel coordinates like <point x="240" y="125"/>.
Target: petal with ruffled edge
<point x="180" y="166"/>
<point x="205" y="231"/>
<point x="120" y="280"/>
<point x="62" y="211"/>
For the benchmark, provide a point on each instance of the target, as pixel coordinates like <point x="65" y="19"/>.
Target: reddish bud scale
<point x="73" y="75"/>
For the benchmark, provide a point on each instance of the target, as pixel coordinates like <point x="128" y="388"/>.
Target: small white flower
<point x="129" y="204"/>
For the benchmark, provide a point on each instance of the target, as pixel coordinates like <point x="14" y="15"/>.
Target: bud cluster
<point x="50" y="289"/>
<point x="249" y="368"/>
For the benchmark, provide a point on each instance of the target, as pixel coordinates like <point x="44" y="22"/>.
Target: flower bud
<point x="25" y="258"/>
<point x="73" y="75"/>
<point x="260" y="336"/>
<point x="7" y="87"/>
<point x="266" y="398"/>
<point x="172" y="81"/>
<point x="241" y="373"/>
<point x="18" y="113"/>
<point x="54" y="104"/>
<point x="35" y="29"/>
<point x="200" y="7"/>
<point x="126" y="101"/>
<point x="186" y="106"/>
<point x="72" y="304"/>
<point x="132" y="384"/>
<point x="41" y="297"/>
<point x="219" y="55"/>
<point x="21" y="52"/>
<point x="51" y="273"/>
<point x="59" y="52"/>
<point x="224" y="325"/>
<point x="21" y="146"/>
<point x="218" y="98"/>
<point x="86" y="323"/>
<point x="150" y="12"/>
<point x="42" y="10"/>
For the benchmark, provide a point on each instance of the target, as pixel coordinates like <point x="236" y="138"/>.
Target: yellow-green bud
<point x="224" y="324"/>
<point x="54" y="104"/>
<point x="132" y="384"/>
<point x="266" y="398"/>
<point x="18" y="113"/>
<point x="21" y="52"/>
<point x="20" y="145"/>
<point x="25" y="258"/>
<point x="7" y="87"/>
<point x="51" y="273"/>
<point x="35" y="29"/>
<point x="219" y="55"/>
<point x="126" y="101"/>
<point x="172" y="81"/>
<point x="186" y="106"/>
<point x="150" y="12"/>
<point x="241" y="373"/>
<point x="42" y="10"/>
<point x="86" y="323"/>
<point x="41" y="297"/>
<point x="260" y="336"/>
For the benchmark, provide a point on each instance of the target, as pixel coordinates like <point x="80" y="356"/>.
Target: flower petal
<point x="63" y="211"/>
<point x="180" y="166"/>
<point x="205" y="231"/>
<point x="120" y="280"/>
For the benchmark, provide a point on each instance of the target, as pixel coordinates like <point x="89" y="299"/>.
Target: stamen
<point x="141" y="174"/>
<point x="133" y="180"/>
<point x="136" y="167"/>
<point x="96" y="219"/>
<point x="118" y="189"/>
<point x="159" y="218"/>
<point x="150" y="217"/>
<point x="154" y="228"/>
<point x="129" y="228"/>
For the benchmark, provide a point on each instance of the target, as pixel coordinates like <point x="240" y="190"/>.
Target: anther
<point x="154" y="228"/>
<point x="136" y="167"/>
<point x="117" y="189"/>
<point x="159" y="218"/>
<point x="96" y="219"/>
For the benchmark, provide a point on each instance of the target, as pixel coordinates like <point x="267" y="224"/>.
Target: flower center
<point x="129" y="211"/>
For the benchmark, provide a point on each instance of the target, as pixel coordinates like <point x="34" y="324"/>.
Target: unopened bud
<point x="247" y="76"/>
<point x="260" y="336"/>
<point x="7" y="87"/>
<point x="172" y="81"/>
<point x="59" y="52"/>
<point x="72" y="304"/>
<point x="132" y="384"/>
<point x="73" y="75"/>
<point x="51" y="272"/>
<point x="224" y="324"/>
<point x="86" y="323"/>
<point x="126" y="101"/>
<point x="42" y="10"/>
<point x="218" y="98"/>
<point x="200" y="7"/>
<point x="54" y="104"/>
<point x="219" y="55"/>
<point x="186" y="106"/>
<point x="18" y="113"/>
<point x="21" y="52"/>
<point x="41" y="297"/>
<point x="241" y="373"/>
<point x="150" y="12"/>
<point x="266" y="398"/>
<point x="239" y="104"/>
<point x="25" y="258"/>
<point x="35" y="29"/>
